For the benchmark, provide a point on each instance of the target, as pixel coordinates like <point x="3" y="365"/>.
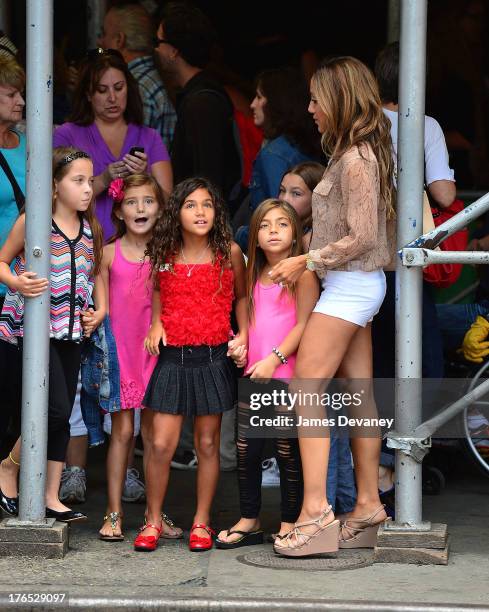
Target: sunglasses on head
<point x="93" y="54"/>
<point x="160" y="41"/>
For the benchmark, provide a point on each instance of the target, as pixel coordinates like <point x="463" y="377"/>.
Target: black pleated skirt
<point x="192" y="381"/>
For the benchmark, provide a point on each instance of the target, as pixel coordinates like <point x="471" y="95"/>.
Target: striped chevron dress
<point x="71" y="287"/>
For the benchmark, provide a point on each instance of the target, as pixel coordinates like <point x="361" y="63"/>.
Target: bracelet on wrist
<point x="279" y="355"/>
<point x="309" y="263"/>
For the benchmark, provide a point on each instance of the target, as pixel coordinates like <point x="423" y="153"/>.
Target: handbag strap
<point x="18" y="193"/>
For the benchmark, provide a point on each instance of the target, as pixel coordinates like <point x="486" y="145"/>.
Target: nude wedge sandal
<point x="361" y="532"/>
<point x="323" y="540"/>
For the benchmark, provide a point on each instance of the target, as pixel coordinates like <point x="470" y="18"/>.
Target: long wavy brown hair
<point x="256" y="257"/>
<point x="347" y="92"/>
<point x="134" y="180"/>
<point x="63" y="157"/>
<point x="167" y="235"/>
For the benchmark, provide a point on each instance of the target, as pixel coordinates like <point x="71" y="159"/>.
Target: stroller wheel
<point x="433" y="480"/>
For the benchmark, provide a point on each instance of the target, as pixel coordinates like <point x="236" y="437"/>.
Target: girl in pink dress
<point x="277" y="317"/>
<point x="138" y="201"/>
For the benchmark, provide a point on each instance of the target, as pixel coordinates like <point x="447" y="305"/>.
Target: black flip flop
<point x="248" y="538"/>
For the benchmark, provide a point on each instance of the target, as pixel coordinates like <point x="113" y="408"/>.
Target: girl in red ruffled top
<point x="198" y="271"/>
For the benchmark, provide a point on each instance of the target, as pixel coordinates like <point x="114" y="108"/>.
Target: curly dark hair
<point x="92" y="70"/>
<point x="286" y="109"/>
<point x="167" y="235"/>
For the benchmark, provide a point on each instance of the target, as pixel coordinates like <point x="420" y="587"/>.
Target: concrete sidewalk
<point x="102" y="575"/>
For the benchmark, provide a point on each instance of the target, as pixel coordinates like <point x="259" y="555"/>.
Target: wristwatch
<point x="309" y="263"/>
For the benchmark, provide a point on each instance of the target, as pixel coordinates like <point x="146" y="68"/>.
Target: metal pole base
<point x="401" y="544"/>
<point x="22" y="539"/>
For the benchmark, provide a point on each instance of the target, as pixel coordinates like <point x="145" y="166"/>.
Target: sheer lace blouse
<point x="348" y="217"/>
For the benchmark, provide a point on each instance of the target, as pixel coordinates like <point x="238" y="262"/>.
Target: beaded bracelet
<point x="279" y="355"/>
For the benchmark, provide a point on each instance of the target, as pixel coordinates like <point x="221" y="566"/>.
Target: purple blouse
<point x="88" y="138"/>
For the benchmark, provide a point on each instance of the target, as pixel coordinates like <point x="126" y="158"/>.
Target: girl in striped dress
<point x="76" y="247"/>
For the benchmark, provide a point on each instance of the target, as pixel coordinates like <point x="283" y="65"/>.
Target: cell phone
<point x="136" y="149"/>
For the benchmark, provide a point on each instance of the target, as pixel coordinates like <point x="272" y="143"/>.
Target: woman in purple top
<point x="106" y="122"/>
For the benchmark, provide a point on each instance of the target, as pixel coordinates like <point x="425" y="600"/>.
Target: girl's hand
<point x="239" y="339"/>
<point x="288" y="270"/>
<point x="263" y="369"/>
<point x="239" y="356"/>
<point x="116" y="170"/>
<point x="137" y="163"/>
<point x="28" y="285"/>
<point x="155" y="335"/>
<point x="91" y="319"/>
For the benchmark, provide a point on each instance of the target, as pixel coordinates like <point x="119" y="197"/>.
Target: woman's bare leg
<point x="316" y="363"/>
<point x="357" y="366"/>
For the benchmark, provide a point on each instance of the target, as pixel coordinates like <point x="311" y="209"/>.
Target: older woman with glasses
<point x="12" y="189"/>
<point x="107" y="123"/>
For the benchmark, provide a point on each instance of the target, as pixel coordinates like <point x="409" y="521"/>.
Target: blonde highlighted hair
<point x="11" y="74"/>
<point x="256" y="257"/>
<point x="348" y="94"/>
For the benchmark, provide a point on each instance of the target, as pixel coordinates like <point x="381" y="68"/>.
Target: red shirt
<point x="196" y="309"/>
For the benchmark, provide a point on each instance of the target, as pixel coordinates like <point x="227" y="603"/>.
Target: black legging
<point x="10" y="390"/>
<point x="64" y="366"/>
<point x="250" y="452"/>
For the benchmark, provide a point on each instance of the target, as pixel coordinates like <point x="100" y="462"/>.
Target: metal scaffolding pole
<point x="35" y="381"/>
<point x="409" y="280"/>
<point x="393" y="20"/>
<point x="96" y="12"/>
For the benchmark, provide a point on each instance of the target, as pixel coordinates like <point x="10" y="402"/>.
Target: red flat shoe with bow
<point x="147" y="543"/>
<point x="199" y="543"/>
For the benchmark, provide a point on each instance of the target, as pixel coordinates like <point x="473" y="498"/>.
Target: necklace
<point x="140" y="258"/>
<point x="190" y="269"/>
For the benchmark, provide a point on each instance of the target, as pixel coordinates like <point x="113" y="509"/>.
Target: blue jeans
<point x="455" y="319"/>
<point x="341" y="490"/>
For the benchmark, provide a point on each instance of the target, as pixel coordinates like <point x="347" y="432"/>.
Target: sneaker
<point x="184" y="461"/>
<point x="270" y="473"/>
<point x="134" y="490"/>
<point x="73" y="487"/>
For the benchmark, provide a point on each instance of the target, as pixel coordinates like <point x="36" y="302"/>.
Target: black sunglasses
<point x="160" y="41"/>
<point x="93" y="54"/>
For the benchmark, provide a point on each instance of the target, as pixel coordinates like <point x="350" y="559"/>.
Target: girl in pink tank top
<point x="277" y="317"/>
<point x="138" y="202"/>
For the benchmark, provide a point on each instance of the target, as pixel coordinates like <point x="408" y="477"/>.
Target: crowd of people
<point x="186" y="254"/>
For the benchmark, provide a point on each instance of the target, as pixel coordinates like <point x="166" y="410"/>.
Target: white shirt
<point x="436" y="165"/>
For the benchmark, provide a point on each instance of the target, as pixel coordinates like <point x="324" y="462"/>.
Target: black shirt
<point x="204" y="143"/>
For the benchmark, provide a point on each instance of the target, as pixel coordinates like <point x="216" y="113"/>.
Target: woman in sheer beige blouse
<point x="352" y="209"/>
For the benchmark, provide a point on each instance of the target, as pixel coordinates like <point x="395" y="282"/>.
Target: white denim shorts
<point x="352" y="296"/>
